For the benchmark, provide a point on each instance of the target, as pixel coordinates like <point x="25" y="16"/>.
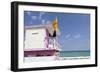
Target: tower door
<point x="35" y="38"/>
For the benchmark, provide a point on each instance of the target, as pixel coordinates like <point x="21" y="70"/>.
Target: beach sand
<point x="53" y="58"/>
<point x="74" y="58"/>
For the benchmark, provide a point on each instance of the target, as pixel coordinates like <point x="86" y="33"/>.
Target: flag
<point x="55" y="24"/>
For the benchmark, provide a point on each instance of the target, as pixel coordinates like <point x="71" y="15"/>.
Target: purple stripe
<point x="40" y="52"/>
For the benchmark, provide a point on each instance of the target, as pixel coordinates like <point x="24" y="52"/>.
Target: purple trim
<point x="40" y="53"/>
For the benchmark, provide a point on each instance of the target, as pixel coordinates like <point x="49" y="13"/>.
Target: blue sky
<point x="74" y="27"/>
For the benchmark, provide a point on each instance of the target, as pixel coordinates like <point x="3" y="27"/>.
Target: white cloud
<point x="41" y="14"/>
<point x="28" y="12"/>
<point x="71" y="37"/>
<point x="68" y="36"/>
<point x="77" y="36"/>
<point x="34" y="17"/>
<point x="48" y="22"/>
<point x="43" y="21"/>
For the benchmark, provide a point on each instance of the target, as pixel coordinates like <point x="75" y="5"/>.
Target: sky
<point x="74" y="27"/>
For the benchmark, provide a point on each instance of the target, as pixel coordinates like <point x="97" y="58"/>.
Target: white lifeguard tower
<point x="39" y="43"/>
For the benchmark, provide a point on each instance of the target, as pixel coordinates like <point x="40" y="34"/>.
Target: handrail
<point x="54" y="43"/>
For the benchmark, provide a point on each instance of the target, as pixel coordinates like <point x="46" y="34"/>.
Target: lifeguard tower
<point x="41" y="41"/>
